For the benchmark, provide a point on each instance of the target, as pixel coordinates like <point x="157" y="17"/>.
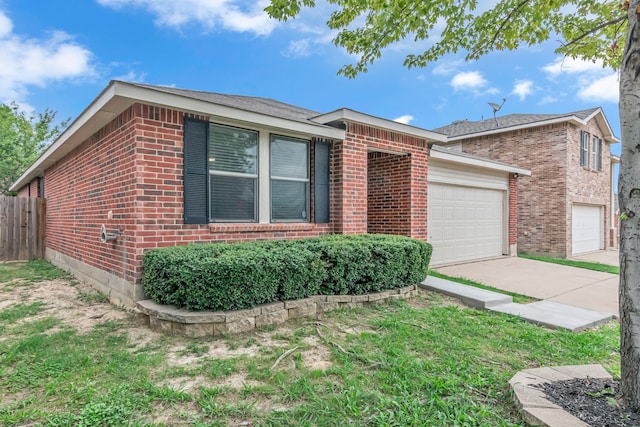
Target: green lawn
<point x="426" y="362"/>
<point x="596" y="266"/>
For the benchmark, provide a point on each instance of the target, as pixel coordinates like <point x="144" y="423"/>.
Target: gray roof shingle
<point x="466" y="127"/>
<point x="266" y="106"/>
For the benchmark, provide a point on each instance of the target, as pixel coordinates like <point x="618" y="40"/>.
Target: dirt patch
<point x="316" y="356"/>
<point x="62" y="300"/>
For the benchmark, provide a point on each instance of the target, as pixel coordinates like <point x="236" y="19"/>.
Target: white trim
<point x="345" y="114"/>
<point x="486" y="164"/>
<point x="602" y="122"/>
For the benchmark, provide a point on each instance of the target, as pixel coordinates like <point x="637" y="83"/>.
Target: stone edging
<point x="532" y="401"/>
<point x="208" y="323"/>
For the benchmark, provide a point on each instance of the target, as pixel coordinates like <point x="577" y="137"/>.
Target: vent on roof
<point x="457" y="122"/>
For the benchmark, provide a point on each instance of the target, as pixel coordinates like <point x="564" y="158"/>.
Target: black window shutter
<point x="196" y="173"/>
<point x="321" y="182"/>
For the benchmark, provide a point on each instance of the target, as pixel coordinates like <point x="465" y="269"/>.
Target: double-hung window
<point x="597" y="165"/>
<point x="594" y="153"/>
<point x="233" y="174"/>
<point x="584" y="149"/>
<point x="289" y="169"/>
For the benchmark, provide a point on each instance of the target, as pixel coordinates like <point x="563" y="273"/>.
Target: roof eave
<point x="348" y="115"/>
<point x="599" y="114"/>
<point x="118" y="96"/>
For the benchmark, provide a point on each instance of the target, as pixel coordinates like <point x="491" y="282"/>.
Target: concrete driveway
<point x="543" y="280"/>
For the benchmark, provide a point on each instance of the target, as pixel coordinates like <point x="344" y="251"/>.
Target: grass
<point x="424" y="362"/>
<point x="517" y="298"/>
<point x="596" y="266"/>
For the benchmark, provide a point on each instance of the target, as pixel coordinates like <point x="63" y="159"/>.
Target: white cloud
<point x="603" y="89"/>
<point x="446" y="68"/>
<point x="37" y="62"/>
<point x="132" y="76"/>
<point x="405" y="119"/>
<point x="572" y="66"/>
<point x="210" y="14"/>
<point x="522" y="89"/>
<point x="298" y="49"/>
<point x="548" y="99"/>
<point x="468" y="80"/>
<point x="592" y="82"/>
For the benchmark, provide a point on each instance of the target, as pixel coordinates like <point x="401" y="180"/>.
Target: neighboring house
<point x="564" y="207"/>
<point x="160" y="166"/>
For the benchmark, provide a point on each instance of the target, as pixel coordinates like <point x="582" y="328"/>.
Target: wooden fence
<point x="22" y="228"/>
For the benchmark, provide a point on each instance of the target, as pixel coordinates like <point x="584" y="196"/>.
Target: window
<point x="584" y="149"/>
<point x="233" y="174"/>
<point x="289" y="179"/>
<point x="594" y="153"/>
<point x="599" y="154"/>
<point x="249" y="176"/>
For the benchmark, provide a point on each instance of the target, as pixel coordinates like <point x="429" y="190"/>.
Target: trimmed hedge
<point x="233" y="276"/>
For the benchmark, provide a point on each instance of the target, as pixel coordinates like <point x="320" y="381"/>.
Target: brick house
<point x="160" y="166"/>
<point x="564" y="207"/>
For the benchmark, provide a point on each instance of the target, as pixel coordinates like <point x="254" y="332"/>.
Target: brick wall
<point x="389" y="194"/>
<point x="96" y="178"/>
<point x="545" y="198"/>
<point x="360" y="138"/>
<point x="133" y="168"/>
<point x="513" y="213"/>
<point x="129" y="176"/>
<point x="30" y="190"/>
<point x="585" y="185"/>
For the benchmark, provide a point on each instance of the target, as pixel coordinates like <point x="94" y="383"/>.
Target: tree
<point x="22" y="139"/>
<point x="606" y="30"/>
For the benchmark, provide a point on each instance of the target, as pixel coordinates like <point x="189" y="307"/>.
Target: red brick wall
<point x="360" y="138"/>
<point x="24" y="191"/>
<point x="133" y="168"/>
<point x="545" y="198"/>
<point x="30" y="190"/>
<point x="97" y="177"/>
<point x="389" y="194"/>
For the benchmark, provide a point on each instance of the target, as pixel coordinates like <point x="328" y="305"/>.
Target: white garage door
<point x="465" y="223"/>
<point x="586" y="228"/>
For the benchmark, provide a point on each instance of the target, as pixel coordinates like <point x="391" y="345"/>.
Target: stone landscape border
<point x="536" y="409"/>
<point x="170" y="319"/>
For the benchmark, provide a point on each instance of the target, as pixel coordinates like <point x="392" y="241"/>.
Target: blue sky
<point x="62" y="54"/>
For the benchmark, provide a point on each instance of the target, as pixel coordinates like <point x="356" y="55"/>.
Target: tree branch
<point x="594" y="29"/>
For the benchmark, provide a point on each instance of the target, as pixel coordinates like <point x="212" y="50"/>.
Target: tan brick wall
<point x="556" y="182"/>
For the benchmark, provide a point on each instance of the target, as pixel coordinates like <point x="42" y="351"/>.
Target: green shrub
<point x="221" y="276"/>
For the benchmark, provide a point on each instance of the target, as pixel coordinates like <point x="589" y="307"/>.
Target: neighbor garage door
<point x="465" y="223"/>
<point x="586" y="228"/>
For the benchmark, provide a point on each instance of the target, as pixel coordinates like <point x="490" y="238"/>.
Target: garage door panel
<point x="586" y="228"/>
<point x="465" y="223"/>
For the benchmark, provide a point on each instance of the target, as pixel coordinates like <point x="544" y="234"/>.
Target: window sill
<point x="260" y="228"/>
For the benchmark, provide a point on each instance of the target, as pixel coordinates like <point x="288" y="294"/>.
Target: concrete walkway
<point x="609" y="257"/>
<point x="573" y="286"/>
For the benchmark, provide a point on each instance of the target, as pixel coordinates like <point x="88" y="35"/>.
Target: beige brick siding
<point x="552" y="153"/>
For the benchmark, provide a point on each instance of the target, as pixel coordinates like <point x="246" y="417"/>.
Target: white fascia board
<point x="615" y="159"/>
<point x="203" y="108"/>
<point x="604" y="124"/>
<point x="345" y="114"/>
<point x="470" y="161"/>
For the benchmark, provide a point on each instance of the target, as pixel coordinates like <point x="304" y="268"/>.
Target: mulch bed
<point x="596" y="402"/>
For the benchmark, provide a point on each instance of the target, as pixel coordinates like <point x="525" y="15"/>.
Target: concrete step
<point x="469" y="295"/>
<point x="545" y="313"/>
<point x="556" y="315"/>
